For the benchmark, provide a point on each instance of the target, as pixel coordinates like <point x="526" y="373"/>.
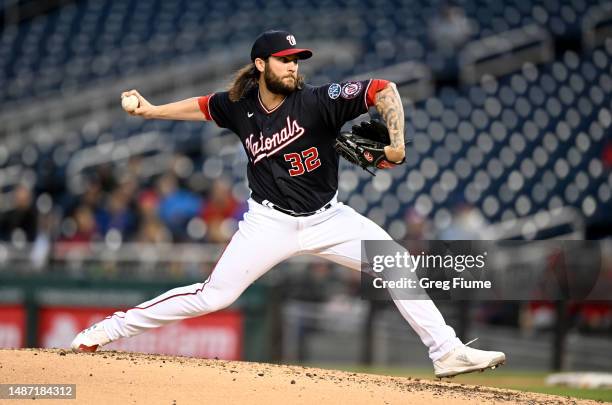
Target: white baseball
<point x="129" y="103"/>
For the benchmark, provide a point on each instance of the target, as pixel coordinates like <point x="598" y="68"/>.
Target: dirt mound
<point x="130" y="378"/>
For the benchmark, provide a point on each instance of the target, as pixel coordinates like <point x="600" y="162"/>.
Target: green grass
<point x="582" y="393"/>
<point x="531" y="381"/>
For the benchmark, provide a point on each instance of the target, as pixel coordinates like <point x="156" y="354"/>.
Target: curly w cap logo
<point x="291" y="40"/>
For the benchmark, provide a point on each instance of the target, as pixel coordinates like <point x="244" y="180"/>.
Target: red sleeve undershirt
<point x="204" y="103"/>
<point x="375" y="86"/>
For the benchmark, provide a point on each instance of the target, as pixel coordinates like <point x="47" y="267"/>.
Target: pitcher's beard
<point x="276" y="85"/>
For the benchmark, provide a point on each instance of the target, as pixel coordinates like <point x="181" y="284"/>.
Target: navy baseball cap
<point x="277" y="43"/>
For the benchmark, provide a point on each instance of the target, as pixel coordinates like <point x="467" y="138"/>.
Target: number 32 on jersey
<point x="307" y="161"/>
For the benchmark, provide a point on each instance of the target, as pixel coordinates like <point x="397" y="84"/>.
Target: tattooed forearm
<point x="389" y="105"/>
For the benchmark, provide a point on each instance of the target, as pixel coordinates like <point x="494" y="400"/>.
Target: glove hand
<point x="395" y="155"/>
<point x="367" y="146"/>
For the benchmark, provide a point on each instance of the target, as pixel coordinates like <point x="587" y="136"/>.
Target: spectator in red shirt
<point x="221" y="212"/>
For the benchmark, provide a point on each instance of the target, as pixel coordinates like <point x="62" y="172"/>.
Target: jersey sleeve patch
<point x="375" y="86"/>
<point x="351" y="90"/>
<point x="341" y="102"/>
<point x="204" y="103"/>
<point x="334" y="91"/>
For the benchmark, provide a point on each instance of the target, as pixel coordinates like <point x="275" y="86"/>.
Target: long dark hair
<point x="247" y="78"/>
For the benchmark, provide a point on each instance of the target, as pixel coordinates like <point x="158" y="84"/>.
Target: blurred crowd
<point x="122" y="207"/>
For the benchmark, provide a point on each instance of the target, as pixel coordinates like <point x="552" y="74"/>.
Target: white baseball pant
<point x="265" y="238"/>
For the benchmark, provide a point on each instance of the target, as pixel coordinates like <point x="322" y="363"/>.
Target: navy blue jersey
<point x="292" y="162"/>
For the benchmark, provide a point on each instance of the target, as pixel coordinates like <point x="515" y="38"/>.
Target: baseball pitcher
<point x="290" y="132"/>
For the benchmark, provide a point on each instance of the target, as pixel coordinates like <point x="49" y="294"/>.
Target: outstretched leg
<point x="260" y="243"/>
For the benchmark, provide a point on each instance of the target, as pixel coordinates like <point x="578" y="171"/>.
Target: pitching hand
<point x="144" y="109"/>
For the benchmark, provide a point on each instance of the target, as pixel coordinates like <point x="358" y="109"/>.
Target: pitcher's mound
<point x="132" y="378"/>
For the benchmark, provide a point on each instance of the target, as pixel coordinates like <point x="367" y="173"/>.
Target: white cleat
<point x="90" y="339"/>
<point x="464" y="359"/>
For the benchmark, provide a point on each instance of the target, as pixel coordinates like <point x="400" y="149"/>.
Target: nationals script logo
<point x="264" y="147"/>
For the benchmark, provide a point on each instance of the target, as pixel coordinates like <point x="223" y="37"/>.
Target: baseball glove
<point x="365" y="145"/>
